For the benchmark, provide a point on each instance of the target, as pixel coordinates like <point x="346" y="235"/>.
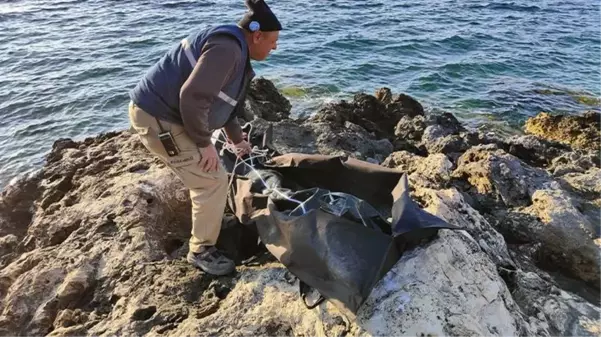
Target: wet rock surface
<point x="95" y="242"/>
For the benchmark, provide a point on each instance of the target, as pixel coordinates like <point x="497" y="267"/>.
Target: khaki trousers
<point x="208" y="191"/>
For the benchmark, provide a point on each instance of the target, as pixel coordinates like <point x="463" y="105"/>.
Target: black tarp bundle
<point x="325" y="219"/>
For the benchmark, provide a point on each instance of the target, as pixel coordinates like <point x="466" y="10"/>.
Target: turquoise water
<point x="66" y="66"/>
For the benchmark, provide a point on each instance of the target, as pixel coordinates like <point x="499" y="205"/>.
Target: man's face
<point x="262" y="44"/>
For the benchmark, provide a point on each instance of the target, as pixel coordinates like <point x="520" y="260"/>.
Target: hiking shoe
<point x="212" y="261"/>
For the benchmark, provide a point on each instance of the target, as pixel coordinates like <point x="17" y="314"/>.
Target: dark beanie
<point x="259" y="17"/>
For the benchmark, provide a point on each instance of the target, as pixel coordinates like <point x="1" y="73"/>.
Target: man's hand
<point x="242" y="148"/>
<point x="209" y="161"/>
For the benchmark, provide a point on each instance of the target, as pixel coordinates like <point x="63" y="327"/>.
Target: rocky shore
<point x="94" y="243"/>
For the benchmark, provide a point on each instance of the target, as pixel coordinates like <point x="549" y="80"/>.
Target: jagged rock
<point x="587" y="184"/>
<point x="480" y="138"/>
<point x="570" y="241"/>
<point x="403" y="104"/>
<point x="325" y="138"/>
<point x="58" y="147"/>
<point x="565" y="233"/>
<point x="67" y="318"/>
<point x="410" y="128"/>
<point x="570" y="162"/>
<point x="586" y="193"/>
<point x="533" y="150"/>
<point x="8" y="249"/>
<point x="451" y="144"/>
<point x="400" y="104"/>
<point x="566" y="240"/>
<point x="16" y="203"/>
<point x="432" y="171"/>
<point x="497" y="178"/>
<point x="384" y="95"/>
<point x="288" y="136"/>
<point x="552" y="311"/>
<point x="516" y="227"/>
<point x="352" y="140"/>
<point x="266" y="102"/>
<point x="451" y="206"/>
<point x="8" y="243"/>
<point x="66" y="242"/>
<point x="438" y="300"/>
<point x="370" y="113"/>
<point x="402" y="160"/>
<point x="431" y="134"/>
<point x="582" y="132"/>
<point x="450" y="125"/>
<point x="404" y="145"/>
<point x="459" y="293"/>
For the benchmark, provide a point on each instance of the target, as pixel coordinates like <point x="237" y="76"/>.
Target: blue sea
<point x="66" y="66"/>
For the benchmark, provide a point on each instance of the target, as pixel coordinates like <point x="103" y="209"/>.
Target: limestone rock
<point x="459" y="293"/>
<point x="433" y="171"/>
<point x="450" y="144"/>
<point x="370" y="113"/>
<point x="413" y="300"/>
<point x="325" y="138"/>
<point x="440" y="133"/>
<point x="552" y="311"/>
<point x="586" y="184"/>
<point x="575" y="161"/>
<point x="403" y="104"/>
<point x="497" y="178"/>
<point x="289" y="136"/>
<point x="16" y="204"/>
<point x="535" y="151"/>
<point x="266" y="102"/>
<point x="582" y="132"/>
<point x="409" y="128"/>
<point x="569" y="240"/>
<point x="450" y="205"/>
<point x="402" y="160"/>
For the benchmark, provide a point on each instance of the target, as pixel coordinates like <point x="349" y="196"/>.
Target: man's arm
<point x="232" y="128"/>
<point x="213" y="69"/>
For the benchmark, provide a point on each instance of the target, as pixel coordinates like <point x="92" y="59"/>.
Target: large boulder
<point x="497" y="179"/>
<point x="586" y="185"/>
<point x="266" y="102"/>
<point x="552" y="311"/>
<point x="570" y="240"/>
<point x="377" y="115"/>
<point x="448" y="287"/>
<point x="324" y="138"/>
<point x="433" y="171"/>
<point x="533" y="150"/>
<point x="573" y="162"/>
<point x="16" y="204"/>
<point x="501" y="184"/>
<point x="434" y="133"/>
<point x="582" y="132"/>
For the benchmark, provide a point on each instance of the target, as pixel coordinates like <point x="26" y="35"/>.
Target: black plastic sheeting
<point x="339" y="241"/>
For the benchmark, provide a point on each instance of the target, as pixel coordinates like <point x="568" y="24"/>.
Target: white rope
<point x="255" y="153"/>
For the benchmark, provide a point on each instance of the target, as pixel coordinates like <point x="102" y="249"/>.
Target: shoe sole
<point x="209" y="270"/>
